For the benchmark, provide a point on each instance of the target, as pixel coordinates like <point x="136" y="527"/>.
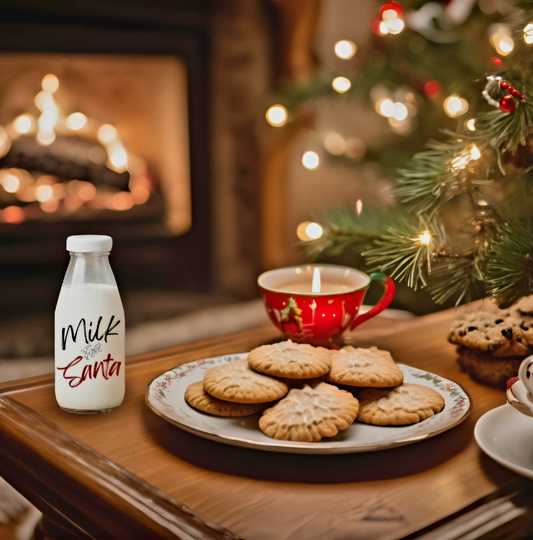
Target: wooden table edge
<point x="29" y="438"/>
<point x="36" y="452"/>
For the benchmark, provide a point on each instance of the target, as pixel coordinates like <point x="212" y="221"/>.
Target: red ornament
<point x="507" y="104"/>
<point x="394" y="6"/>
<point x="496" y="60"/>
<point x="432" y="88"/>
<point x="504" y="85"/>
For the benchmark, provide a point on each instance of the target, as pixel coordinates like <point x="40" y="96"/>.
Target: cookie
<point x="290" y="360"/>
<point x="364" y="367"/>
<point x="505" y="333"/>
<point x="238" y="383"/>
<point x="197" y="397"/>
<point x="524" y="306"/>
<point x="405" y="404"/>
<point x="488" y="369"/>
<point x="310" y="414"/>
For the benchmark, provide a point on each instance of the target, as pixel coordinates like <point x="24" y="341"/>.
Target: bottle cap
<point x="89" y="242"/>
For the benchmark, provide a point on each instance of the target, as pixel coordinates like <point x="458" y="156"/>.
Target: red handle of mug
<point x="386" y="299"/>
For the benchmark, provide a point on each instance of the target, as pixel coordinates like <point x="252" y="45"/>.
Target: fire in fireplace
<point x="93" y="138"/>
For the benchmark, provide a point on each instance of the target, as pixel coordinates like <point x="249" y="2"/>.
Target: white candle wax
<point x="301" y="286"/>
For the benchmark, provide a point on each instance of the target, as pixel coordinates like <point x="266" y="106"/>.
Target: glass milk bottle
<point x="89" y="331"/>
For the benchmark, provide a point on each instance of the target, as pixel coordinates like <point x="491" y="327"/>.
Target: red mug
<point x="319" y="318"/>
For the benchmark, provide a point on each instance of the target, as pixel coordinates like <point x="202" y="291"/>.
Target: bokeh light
<point x="310" y="160"/>
<point x="309" y="230"/>
<point x="341" y="84"/>
<point x="455" y="106"/>
<point x="50" y="83"/>
<point x="76" y="121"/>
<point x="13" y="214"/>
<point x="10" y="183"/>
<point x="277" y="115"/>
<point x="335" y="143"/>
<point x="345" y="49"/>
<point x="528" y="34"/>
<point x="23" y="124"/>
<point x="106" y="134"/>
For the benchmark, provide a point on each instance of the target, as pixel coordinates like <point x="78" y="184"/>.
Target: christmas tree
<point x="463" y="225"/>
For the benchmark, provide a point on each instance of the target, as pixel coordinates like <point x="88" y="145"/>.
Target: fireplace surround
<point x="147" y="252"/>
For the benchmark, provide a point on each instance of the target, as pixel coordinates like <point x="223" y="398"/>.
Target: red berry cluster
<point x="507" y="104"/>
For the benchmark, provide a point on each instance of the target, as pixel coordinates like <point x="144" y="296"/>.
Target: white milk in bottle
<point x="89" y="330"/>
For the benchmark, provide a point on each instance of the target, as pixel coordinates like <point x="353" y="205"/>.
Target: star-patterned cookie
<point x="405" y="404"/>
<point x="364" y="367"/>
<point x="239" y="383"/>
<point x="290" y="360"/>
<point x="197" y="397"/>
<point x="310" y="414"/>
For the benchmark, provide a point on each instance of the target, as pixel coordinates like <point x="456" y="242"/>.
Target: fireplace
<point x="104" y="130"/>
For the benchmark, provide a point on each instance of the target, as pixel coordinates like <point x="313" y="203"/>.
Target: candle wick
<point x="316" y="285"/>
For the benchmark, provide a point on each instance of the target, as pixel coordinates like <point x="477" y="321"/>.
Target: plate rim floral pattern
<point x="157" y="400"/>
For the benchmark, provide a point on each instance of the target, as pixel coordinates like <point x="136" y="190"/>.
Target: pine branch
<point x="347" y="230"/>
<point x="509" y="271"/>
<point x="506" y="131"/>
<point x="460" y="277"/>
<point x="407" y="252"/>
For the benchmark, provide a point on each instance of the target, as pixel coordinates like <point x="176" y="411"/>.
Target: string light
<point x="425" y="238"/>
<point x="460" y="162"/>
<point x="341" y="84"/>
<point x="455" y="106"/>
<point x="383" y="28"/>
<point x="50" y="83"/>
<point x="395" y="26"/>
<point x="310" y="160"/>
<point x="309" y="230"/>
<point x="400" y="112"/>
<point x="471" y="124"/>
<point x="277" y="115"/>
<point x="528" y="34"/>
<point x="76" y="121"/>
<point x="475" y="154"/>
<point x="345" y="49"/>
<point x="392" y="22"/>
<point x="359" y="206"/>
<point x="500" y="39"/>
<point x="385" y="107"/>
<point x="23" y="124"/>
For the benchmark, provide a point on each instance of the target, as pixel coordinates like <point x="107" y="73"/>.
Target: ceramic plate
<point x="505" y="435"/>
<point x="165" y="396"/>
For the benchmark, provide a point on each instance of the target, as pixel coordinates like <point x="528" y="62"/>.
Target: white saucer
<point x="506" y="435"/>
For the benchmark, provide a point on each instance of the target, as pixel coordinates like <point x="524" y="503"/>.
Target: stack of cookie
<point x="492" y="344"/>
<point x="303" y="380"/>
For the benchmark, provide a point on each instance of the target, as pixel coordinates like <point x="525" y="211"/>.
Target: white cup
<point x="525" y="374"/>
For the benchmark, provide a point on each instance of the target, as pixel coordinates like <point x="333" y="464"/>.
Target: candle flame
<point x="316" y="285"/>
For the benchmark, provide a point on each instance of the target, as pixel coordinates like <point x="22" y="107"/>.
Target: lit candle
<point x="315" y="287"/>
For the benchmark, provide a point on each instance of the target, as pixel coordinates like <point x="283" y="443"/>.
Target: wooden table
<point x="121" y="475"/>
